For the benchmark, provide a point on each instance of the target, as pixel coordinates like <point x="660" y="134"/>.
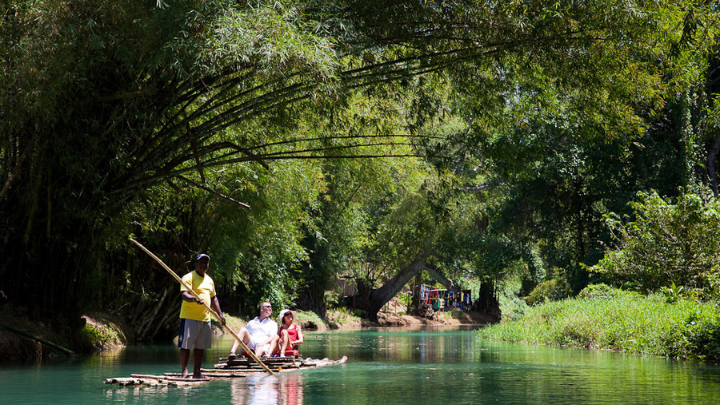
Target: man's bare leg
<point x="259" y="350"/>
<point x="198" y="358"/>
<point x="245" y="336"/>
<point x="184" y="357"/>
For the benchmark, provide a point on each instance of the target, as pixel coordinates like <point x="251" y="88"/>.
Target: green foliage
<point x="114" y="107"/>
<point x="669" y="242"/>
<point x="261" y="249"/>
<point x="672" y="293"/>
<point x="559" y="180"/>
<point x="512" y="307"/>
<point x="600" y="292"/>
<point x="234" y="322"/>
<point x="370" y="220"/>
<point x="627" y="322"/>
<point x="309" y="320"/>
<point x="556" y="155"/>
<point x="156" y="118"/>
<point x="404" y="299"/>
<point x="549" y="290"/>
<point x="91" y="338"/>
<point x="342" y="316"/>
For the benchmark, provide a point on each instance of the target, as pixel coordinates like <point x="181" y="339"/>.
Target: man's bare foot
<point x="199" y="376"/>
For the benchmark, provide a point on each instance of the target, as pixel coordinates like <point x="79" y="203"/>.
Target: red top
<point x="292" y="332"/>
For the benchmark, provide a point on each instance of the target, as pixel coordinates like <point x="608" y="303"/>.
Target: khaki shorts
<point x="194" y="334"/>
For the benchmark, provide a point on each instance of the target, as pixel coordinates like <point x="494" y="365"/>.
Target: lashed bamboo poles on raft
<point x="214" y="314"/>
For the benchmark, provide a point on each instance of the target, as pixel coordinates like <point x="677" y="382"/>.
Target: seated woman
<point x="290" y="334"/>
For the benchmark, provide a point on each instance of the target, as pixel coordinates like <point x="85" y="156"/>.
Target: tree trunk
<point x="487" y="302"/>
<point x="372" y="300"/>
<point x="380" y="296"/>
<point x="440" y="277"/>
<point x="415" y="304"/>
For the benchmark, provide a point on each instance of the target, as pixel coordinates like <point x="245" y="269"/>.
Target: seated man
<point x="260" y="334"/>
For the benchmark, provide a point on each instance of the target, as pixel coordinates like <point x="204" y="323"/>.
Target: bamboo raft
<point x="226" y="369"/>
<point x="276" y="364"/>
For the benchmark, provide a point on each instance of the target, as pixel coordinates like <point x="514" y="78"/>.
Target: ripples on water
<point x="386" y="366"/>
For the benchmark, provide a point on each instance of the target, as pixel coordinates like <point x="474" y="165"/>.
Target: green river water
<point x="438" y="365"/>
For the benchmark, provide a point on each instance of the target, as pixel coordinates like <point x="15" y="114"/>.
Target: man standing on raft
<point x="195" y="328"/>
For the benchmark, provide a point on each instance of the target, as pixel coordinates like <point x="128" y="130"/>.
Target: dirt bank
<point x="20" y="339"/>
<point x="444" y="318"/>
<point x="393" y="319"/>
<point x="102" y="332"/>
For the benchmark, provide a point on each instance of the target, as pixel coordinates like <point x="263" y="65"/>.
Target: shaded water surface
<point x="403" y="366"/>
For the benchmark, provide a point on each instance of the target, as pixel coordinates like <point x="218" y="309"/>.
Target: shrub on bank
<point x="98" y="337"/>
<point x="670" y="242"/>
<point x="339" y="318"/>
<point x="549" y="290"/>
<point x="512" y="307"/>
<point x="310" y="320"/>
<point x="619" y="320"/>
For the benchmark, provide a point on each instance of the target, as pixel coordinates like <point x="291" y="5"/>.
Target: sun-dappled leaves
<point x="668" y="242"/>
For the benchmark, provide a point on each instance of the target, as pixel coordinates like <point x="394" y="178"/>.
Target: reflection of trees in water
<point x="408" y="343"/>
<point x="285" y="389"/>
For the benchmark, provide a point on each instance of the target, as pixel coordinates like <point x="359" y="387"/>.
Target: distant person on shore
<point x="290" y="334"/>
<point x="195" y="329"/>
<point x="260" y="334"/>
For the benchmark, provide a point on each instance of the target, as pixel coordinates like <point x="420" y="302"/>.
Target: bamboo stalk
<point x="214" y="314"/>
<point x="37" y="338"/>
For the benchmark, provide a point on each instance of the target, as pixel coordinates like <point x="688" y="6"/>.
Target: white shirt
<point x="266" y="328"/>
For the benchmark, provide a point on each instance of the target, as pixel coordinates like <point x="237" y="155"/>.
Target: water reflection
<point x="419" y="344"/>
<point x="281" y="389"/>
<point x="421" y="366"/>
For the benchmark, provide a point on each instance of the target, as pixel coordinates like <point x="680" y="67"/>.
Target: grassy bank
<point x="612" y="319"/>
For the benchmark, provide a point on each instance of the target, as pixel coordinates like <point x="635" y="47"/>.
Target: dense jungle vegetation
<point x="545" y="145"/>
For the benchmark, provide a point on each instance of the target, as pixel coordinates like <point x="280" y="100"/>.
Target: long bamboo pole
<point x="215" y="314"/>
<point x="37" y="338"/>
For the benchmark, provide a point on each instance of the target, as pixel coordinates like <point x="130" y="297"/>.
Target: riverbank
<point x="454" y="317"/>
<point x="23" y="340"/>
<point x="344" y="320"/>
<point x="103" y="332"/>
<point x="611" y="319"/>
<point x="397" y="316"/>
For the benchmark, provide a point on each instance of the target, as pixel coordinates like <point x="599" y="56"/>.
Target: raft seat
<point x="293" y="352"/>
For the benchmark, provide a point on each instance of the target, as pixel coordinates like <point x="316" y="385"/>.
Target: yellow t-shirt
<point x="205" y="288"/>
